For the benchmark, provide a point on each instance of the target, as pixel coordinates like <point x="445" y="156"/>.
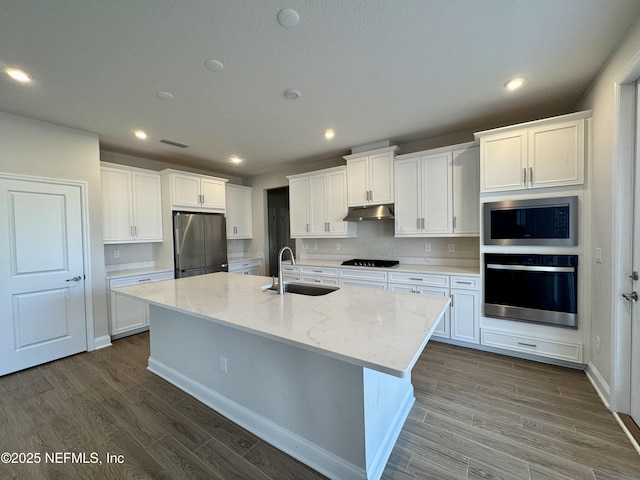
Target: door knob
<point x="632" y="297"/>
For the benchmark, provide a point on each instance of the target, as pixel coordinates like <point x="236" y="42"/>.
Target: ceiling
<point x="369" y="69"/>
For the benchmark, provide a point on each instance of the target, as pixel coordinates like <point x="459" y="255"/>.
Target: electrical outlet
<point x="452" y="247"/>
<point x="116" y="254"/>
<point x="223" y="364"/>
<point x="427" y="247"/>
<point x="338" y="246"/>
<point x="597" y="344"/>
<point x="598" y="255"/>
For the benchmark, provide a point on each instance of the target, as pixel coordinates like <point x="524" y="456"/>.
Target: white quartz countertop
<point x="381" y="330"/>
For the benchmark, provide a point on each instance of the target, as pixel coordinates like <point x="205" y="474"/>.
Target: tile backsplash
<point x="376" y="240"/>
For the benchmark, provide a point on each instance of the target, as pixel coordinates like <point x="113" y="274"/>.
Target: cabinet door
<point x="464" y="316"/>
<point x="336" y="184"/>
<point x="238" y="210"/>
<point x="298" y="207"/>
<point x="213" y="194"/>
<point x="127" y="314"/>
<point x="407" y="197"/>
<point x="116" y="205"/>
<point x="147" y="207"/>
<point x="357" y="185"/>
<point x="466" y="191"/>
<point x="443" y="328"/>
<point x="504" y="160"/>
<point x="556" y="154"/>
<point x="381" y="178"/>
<point x="318" y="205"/>
<point x="186" y="190"/>
<point x="437" y="208"/>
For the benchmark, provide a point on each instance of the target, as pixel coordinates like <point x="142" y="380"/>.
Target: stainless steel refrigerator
<point x="200" y="243"/>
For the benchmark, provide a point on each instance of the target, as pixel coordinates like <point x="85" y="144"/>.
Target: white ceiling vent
<point x="174" y="143"/>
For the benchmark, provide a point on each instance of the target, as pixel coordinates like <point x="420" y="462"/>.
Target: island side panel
<point x="298" y="400"/>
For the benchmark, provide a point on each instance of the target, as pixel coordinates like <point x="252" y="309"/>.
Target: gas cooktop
<point x="359" y="262"/>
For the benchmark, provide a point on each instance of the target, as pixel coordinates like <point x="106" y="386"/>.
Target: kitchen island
<point x="326" y="379"/>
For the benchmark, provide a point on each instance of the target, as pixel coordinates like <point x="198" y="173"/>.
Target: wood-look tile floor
<point x="477" y="416"/>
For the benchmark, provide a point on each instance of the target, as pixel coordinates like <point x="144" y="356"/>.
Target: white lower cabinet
<point x="465" y="314"/>
<point x="126" y="315"/>
<point x="546" y="347"/>
<point x="246" y="267"/>
<point x="366" y="277"/>
<point x="323" y="275"/>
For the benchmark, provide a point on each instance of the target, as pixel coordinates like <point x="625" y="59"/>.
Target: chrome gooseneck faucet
<point x="293" y="261"/>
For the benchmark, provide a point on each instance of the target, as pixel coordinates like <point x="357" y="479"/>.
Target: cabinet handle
<point x="144" y="280"/>
<point x="418" y="223"/>
<point x="454" y="221"/>
<point x="463" y="283"/>
<point x="528" y="344"/>
<point x="307" y="227"/>
<point x="524" y="176"/>
<point x="131" y="230"/>
<point x="531" y="175"/>
<point x="416" y="279"/>
<point x="423" y="227"/>
<point x="317" y="271"/>
<point x="135" y="230"/>
<point x="371" y="195"/>
<point x="451" y="297"/>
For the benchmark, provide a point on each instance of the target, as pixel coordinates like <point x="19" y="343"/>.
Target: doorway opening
<point x="278" y="225"/>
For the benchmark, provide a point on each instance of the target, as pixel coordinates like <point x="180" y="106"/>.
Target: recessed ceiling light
<point x="288" y="17"/>
<point x="292" y="93"/>
<point x="514" y="83"/>
<point x="141" y="134"/>
<point x="168" y="96"/>
<point x="329" y="134"/>
<point x="214" y="65"/>
<point x="235" y="159"/>
<point x="18" y="75"/>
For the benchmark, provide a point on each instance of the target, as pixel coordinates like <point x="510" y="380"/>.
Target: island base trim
<point x="309" y="453"/>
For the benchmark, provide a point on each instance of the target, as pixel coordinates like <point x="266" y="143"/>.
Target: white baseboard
<point x="101" y="342"/>
<point x="298" y="447"/>
<point x="602" y="387"/>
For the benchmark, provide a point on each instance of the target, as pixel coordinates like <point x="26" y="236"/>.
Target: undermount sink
<point x="303" y="288"/>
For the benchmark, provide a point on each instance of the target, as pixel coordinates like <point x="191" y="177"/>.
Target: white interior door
<point x="635" y="312"/>
<point x="41" y="273"/>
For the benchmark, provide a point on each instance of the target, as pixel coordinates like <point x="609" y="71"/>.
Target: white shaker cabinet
<point x="317" y="204"/>
<point x="194" y="193"/>
<point x="424" y="203"/>
<point x="245" y="267"/>
<point x="370" y="177"/>
<point x="466" y="191"/>
<point x="127" y="315"/>
<point x="465" y="309"/>
<point x="238" y="207"/>
<point x="131" y="205"/>
<point x="544" y="153"/>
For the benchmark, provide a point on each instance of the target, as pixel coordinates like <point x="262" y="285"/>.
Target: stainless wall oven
<point x="532" y="288"/>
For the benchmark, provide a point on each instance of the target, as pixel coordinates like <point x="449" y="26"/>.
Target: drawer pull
<point x="527" y="344"/>
<point x="463" y="283"/>
<point x="416" y="279"/>
<point x="144" y="280"/>
<point x="317" y="271"/>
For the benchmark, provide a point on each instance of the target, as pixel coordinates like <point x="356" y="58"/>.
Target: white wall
<point x="600" y="98"/>
<point x="31" y="147"/>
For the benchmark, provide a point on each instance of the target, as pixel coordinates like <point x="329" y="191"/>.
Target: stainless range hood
<point x="369" y="212"/>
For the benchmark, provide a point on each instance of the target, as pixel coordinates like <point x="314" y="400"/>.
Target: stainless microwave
<point x="539" y="221"/>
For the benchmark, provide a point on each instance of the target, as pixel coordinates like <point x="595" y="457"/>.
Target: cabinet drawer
<point x="571" y="352"/>
<point x="137" y="279"/>
<point x="364" y="274"/>
<point x="365" y="284"/>
<point x="470" y="283"/>
<point x="320" y="279"/>
<point x="290" y="270"/>
<point x="419" y="278"/>
<point x="309" y="270"/>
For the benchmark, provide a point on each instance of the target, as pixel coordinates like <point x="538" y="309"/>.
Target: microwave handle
<point x="531" y="268"/>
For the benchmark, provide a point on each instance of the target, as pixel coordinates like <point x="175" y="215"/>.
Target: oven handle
<point x="530" y="268"/>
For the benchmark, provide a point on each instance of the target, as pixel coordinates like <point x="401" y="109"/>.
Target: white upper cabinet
<point x="195" y="193"/>
<point x="466" y="191"/>
<point x="370" y="177"/>
<point x="437" y="192"/>
<point x="131" y="205"/>
<point x="318" y="203"/>
<point x="239" y="219"/>
<point x="544" y="153"/>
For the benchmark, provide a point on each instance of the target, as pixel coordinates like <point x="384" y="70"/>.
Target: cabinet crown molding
<point x="536" y="123"/>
